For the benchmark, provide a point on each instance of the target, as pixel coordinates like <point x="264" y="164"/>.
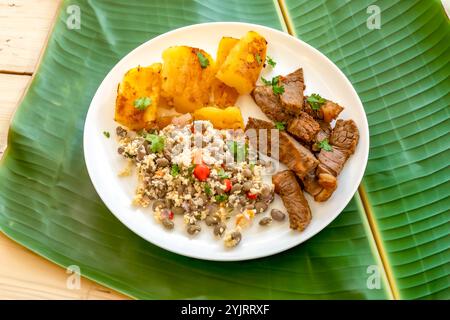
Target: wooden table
<point x="24" y="28"/>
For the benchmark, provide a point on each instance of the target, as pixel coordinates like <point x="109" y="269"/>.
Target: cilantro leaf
<point x="175" y="170"/>
<point x="258" y="58"/>
<point x="271" y="62"/>
<point x="324" y="145"/>
<point x="142" y="103"/>
<point x="106" y="134"/>
<point x="315" y="100"/>
<point x="280" y="125"/>
<point x="221" y="197"/>
<point x="266" y="82"/>
<point x="277" y="89"/>
<point x="204" y="62"/>
<point x="222" y="174"/>
<point x="156" y="142"/>
<point x="208" y="190"/>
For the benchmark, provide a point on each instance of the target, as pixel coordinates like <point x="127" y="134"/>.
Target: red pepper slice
<point x="252" y="196"/>
<point x="227" y="184"/>
<point x="201" y="172"/>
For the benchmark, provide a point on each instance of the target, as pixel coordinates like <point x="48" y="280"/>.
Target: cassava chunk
<point x="142" y="83"/>
<point x="243" y="64"/>
<point x="187" y="75"/>
<point x="228" y="118"/>
<point x="223" y="95"/>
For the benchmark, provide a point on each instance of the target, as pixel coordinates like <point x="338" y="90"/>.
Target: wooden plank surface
<point x="24" y="27"/>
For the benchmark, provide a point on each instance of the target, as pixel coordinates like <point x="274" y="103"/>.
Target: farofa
<point x="172" y="177"/>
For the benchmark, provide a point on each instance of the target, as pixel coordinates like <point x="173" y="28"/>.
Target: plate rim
<point x="271" y="251"/>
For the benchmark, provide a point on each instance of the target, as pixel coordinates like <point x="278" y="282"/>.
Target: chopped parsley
<point x="315" y="101"/>
<point x="221" y="197"/>
<point x="208" y="190"/>
<point x="156" y="142"/>
<point x="275" y="83"/>
<point x="175" y="170"/>
<point x="142" y="103"/>
<point x="252" y="166"/>
<point x="271" y="62"/>
<point x="266" y="82"/>
<point x="222" y="174"/>
<point x="324" y="145"/>
<point x="280" y="125"/>
<point x="258" y="58"/>
<point x="204" y="62"/>
<point x="106" y="134"/>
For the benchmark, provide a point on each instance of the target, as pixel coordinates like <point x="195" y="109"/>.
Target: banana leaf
<point x="48" y="204"/>
<point x="401" y="72"/>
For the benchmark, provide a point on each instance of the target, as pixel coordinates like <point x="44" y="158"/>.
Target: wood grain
<point x="24" y="27"/>
<point x="12" y="88"/>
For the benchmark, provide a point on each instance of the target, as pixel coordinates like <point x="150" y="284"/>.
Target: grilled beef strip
<point x="345" y="135"/>
<point x="304" y="127"/>
<point x="295" y="156"/>
<point x="292" y="97"/>
<point x="286" y="185"/>
<point x="324" y="133"/>
<point x="270" y="104"/>
<point x="343" y="141"/>
<point x="327" y="112"/>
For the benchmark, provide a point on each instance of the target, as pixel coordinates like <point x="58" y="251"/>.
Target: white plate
<point x="103" y="162"/>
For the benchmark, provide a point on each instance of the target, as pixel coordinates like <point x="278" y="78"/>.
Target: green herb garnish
<point x="271" y="62"/>
<point x="324" y="145"/>
<point x="276" y="87"/>
<point x="142" y="103"/>
<point x="204" y="62"/>
<point x="266" y="82"/>
<point x="175" y="170"/>
<point x="156" y="142"/>
<point x="208" y="190"/>
<point x="222" y="174"/>
<point x="106" y="134"/>
<point x="252" y="166"/>
<point x="280" y="126"/>
<point x="221" y="197"/>
<point x="258" y="58"/>
<point x="315" y="101"/>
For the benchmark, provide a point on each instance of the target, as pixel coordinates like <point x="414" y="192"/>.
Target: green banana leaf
<point x="47" y="202"/>
<point x="401" y="72"/>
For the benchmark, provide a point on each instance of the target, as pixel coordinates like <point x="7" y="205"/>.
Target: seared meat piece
<point x="292" y="97"/>
<point x="327" y="112"/>
<point x="304" y="127"/>
<point x="295" y="156"/>
<point x="332" y="161"/>
<point x="345" y="135"/>
<point x="324" y="132"/>
<point x="287" y="187"/>
<point x="343" y="139"/>
<point x="270" y="104"/>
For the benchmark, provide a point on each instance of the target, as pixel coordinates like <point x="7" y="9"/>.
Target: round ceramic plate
<point x="103" y="162"/>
